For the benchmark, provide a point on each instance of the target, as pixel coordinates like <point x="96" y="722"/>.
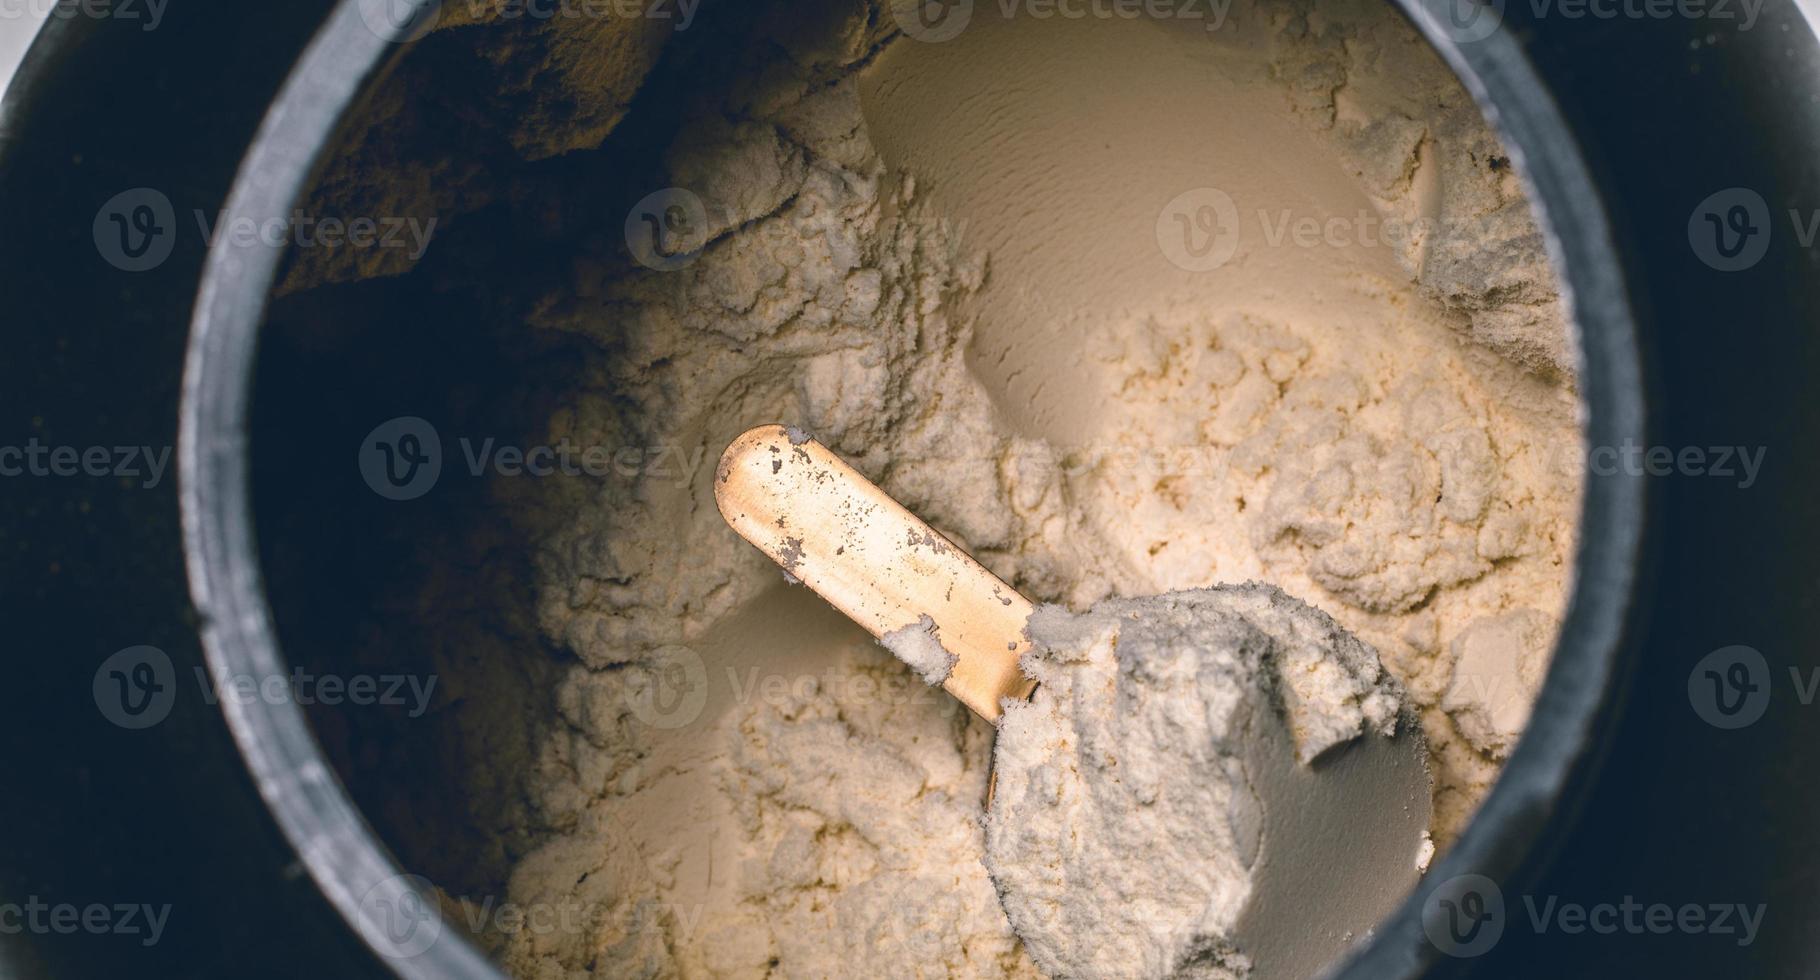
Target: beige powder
<point x="951" y="263"/>
<point x="1124" y="829"/>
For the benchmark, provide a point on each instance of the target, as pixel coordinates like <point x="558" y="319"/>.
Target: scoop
<point x="1342" y="838"/>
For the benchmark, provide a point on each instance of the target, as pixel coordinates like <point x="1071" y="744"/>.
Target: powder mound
<point x="1498" y="667"/>
<point x="724" y="800"/>
<point x="1445" y="186"/>
<point x="920" y="645"/>
<point x="594" y="900"/>
<point x="862" y="850"/>
<point x="1124" y="826"/>
<point x="1384" y="507"/>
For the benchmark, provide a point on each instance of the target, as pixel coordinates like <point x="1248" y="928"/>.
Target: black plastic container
<point x="1623" y="127"/>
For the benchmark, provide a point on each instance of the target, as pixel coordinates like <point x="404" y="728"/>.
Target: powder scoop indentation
<point x="1123" y="830"/>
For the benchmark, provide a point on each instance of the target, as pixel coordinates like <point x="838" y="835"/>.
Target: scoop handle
<point x="839" y="534"/>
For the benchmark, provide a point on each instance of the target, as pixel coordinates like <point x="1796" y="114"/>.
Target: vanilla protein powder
<point x="1122" y="306"/>
<point x="1124" y="826"/>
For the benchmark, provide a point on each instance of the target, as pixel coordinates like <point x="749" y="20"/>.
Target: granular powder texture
<point x="728" y="778"/>
<point x="1124" y="825"/>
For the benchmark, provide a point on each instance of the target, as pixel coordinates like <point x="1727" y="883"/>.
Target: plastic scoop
<point x="842" y="536"/>
<point x="1341" y="838"/>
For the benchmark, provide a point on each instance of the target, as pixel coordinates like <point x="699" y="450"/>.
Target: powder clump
<point x="920" y="646"/>
<point x="1124" y="825"/>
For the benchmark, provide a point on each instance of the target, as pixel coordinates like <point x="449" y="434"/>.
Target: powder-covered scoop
<point x="832" y="529"/>
<point x="1213" y="783"/>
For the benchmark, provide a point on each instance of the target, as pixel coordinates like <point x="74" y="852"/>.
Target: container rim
<point x="363" y="882"/>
